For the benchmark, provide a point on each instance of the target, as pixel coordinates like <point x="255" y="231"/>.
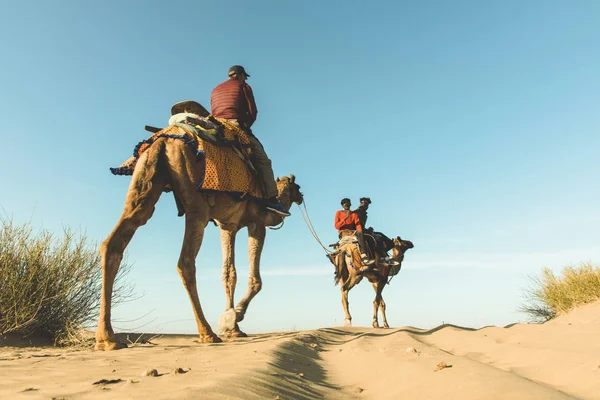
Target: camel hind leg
<point x="229" y="272"/>
<point x="228" y="322"/>
<point x="185" y="174"/>
<point x="194" y="233"/>
<point x="344" y="277"/>
<point x="146" y="186"/>
<point x="345" y="304"/>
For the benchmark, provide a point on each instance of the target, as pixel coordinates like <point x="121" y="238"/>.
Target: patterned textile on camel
<point x="225" y="169"/>
<point x="348" y="246"/>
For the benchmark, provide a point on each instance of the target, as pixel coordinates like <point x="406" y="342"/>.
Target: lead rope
<point x="310" y="226"/>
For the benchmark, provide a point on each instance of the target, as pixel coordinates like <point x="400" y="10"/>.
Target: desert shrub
<point x="553" y="295"/>
<point x="49" y="285"/>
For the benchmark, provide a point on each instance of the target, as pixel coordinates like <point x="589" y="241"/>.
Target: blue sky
<point x="473" y="126"/>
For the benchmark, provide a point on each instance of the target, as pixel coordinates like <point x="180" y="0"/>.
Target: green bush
<point x="50" y="286"/>
<point x="554" y="295"/>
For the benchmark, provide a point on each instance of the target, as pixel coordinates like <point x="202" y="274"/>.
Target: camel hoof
<point x="210" y="339"/>
<point x="376" y="325"/>
<point x="348" y="323"/>
<point x="385" y="325"/>
<point x="109" y="345"/>
<point x="227" y="322"/>
<point x="239" y="314"/>
<point x="236" y="333"/>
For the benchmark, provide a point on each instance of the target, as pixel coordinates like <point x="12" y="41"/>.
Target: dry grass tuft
<point x="554" y="295"/>
<point x="50" y="286"/>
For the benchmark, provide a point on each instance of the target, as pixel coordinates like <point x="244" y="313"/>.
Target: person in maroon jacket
<point x="234" y="101"/>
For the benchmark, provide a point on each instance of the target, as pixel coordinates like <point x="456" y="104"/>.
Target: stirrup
<point x="277" y="208"/>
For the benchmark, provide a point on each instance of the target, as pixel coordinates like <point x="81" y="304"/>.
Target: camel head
<point x="400" y="247"/>
<point x="289" y="190"/>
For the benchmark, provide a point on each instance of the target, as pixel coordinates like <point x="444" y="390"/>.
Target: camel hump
<point x="189" y="106"/>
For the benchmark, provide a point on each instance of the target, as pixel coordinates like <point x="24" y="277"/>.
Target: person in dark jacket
<point x="361" y="211"/>
<point x="234" y="101"/>
<point x="382" y="243"/>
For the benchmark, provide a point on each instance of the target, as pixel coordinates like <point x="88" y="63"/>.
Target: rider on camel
<point x="348" y="220"/>
<point x="382" y="242"/>
<point x="233" y="100"/>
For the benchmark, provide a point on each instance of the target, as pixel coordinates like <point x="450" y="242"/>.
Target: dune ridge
<point x="556" y="360"/>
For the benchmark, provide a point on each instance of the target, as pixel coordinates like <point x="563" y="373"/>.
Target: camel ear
<point x="292" y="178"/>
<point x="277" y="180"/>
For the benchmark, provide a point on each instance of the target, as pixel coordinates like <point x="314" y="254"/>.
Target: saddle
<point x="219" y="144"/>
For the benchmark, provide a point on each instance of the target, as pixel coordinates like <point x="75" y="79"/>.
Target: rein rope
<point x="274" y="228"/>
<point x="310" y="226"/>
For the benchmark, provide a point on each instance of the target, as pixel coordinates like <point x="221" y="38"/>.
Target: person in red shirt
<point x="234" y="101"/>
<point x="348" y="220"/>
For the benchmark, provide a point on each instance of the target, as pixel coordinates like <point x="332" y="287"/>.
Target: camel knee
<point x="112" y="246"/>
<point x="229" y="276"/>
<point x="187" y="261"/>
<point x="112" y="257"/>
<point x="255" y="285"/>
<point x="187" y="271"/>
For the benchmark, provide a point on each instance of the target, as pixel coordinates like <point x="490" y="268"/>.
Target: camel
<point x="170" y="161"/>
<point x="348" y="277"/>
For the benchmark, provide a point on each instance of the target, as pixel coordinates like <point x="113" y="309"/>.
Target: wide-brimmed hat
<point x="190" y="106"/>
<point x="236" y="70"/>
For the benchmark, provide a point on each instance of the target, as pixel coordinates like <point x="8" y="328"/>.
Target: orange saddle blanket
<point x="225" y="170"/>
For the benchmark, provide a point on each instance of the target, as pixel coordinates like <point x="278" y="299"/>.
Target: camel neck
<point x="284" y="198"/>
<point x="397" y="255"/>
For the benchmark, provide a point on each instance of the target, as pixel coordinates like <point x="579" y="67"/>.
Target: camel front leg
<point x="382" y="309"/>
<point x="194" y="233"/>
<point x="256" y="241"/>
<point x="379" y="304"/>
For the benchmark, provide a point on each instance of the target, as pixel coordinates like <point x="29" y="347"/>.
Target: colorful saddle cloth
<point x="347" y="247"/>
<point x="225" y="168"/>
<point x="352" y="254"/>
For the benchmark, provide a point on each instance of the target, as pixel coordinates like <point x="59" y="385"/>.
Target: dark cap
<point x="236" y="70"/>
<point x="365" y="199"/>
<point x="345" y="200"/>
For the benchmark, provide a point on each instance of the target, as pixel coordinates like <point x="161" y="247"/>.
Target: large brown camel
<point x="348" y="277"/>
<point x="171" y="162"/>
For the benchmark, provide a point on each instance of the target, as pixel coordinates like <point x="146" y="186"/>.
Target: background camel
<point x="172" y="162"/>
<point x="348" y="277"/>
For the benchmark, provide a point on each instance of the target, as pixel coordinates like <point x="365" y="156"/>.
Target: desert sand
<point x="556" y="360"/>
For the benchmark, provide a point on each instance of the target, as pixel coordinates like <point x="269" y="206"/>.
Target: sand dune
<point x="556" y="360"/>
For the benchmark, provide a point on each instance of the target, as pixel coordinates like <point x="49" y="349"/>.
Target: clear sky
<point x="472" y="125"/>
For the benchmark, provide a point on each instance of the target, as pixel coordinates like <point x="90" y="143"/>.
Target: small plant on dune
<point x="554" y="295"/>
<point x="50" y="286"/>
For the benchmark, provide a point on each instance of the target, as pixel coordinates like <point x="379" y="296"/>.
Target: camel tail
<point x="149" y="177"/>
<point x="338" y="261"/>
